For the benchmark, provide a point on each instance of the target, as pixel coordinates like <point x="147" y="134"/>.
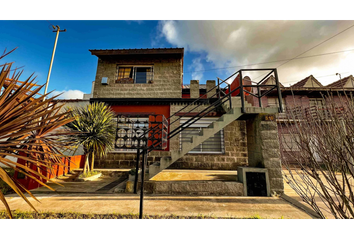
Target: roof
<point x="136" y="51"/>
<point x="347" y="82"/>
<point x="270" y="80"/>
<point x="309" y="81"/>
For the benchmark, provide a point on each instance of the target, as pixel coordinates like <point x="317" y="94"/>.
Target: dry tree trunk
<point x="318" y="154"/>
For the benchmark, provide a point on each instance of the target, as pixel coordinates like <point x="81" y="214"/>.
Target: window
<point x="214" y="144"/>
<point x="128" y="130"/>
<point x="135" y="74"/>
<point x="317" y="108"/>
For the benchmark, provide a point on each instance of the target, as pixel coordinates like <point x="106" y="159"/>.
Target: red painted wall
<point x="67" y="165"/>
<point x="155" y="109"/>
<point x="236" y="83"/>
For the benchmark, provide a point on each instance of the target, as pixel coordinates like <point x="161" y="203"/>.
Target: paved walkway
<point x="85" y="197"/>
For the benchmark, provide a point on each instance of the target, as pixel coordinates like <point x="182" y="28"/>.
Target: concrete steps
<point x="230" y="116"/>
<point x="195" y="183"/>
<point x="205" y="134"/>
<point x="195" y="188"/>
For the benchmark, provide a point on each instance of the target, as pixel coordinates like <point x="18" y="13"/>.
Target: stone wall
<point x="235" y="143"/>
<point x="235" y="155"/>
<point x="167" y="79"/>
<point x="263" y="148"/>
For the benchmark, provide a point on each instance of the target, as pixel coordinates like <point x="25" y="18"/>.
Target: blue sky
<point x="221" y="45"/>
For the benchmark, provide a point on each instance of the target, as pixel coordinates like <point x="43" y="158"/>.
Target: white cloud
<point x="235" y="43"/>
<point x="197" y="67"/>
<point x="68" y="94"/>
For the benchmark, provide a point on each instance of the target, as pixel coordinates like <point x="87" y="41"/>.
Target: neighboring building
<point x="307" y="95"/>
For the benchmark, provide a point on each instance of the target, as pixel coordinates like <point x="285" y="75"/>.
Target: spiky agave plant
<point x="95" y="123"/>
<point x="27" y="131"/>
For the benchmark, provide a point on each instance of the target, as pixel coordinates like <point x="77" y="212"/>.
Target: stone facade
<point x="251" y="142"/>
<point x="263" y="148"/>
<point x="235" y="154"/>
<point x="167" y="78"/>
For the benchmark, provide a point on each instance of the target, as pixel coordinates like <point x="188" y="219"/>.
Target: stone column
<point x="209" y="85"/>
<point x="194" y="89"/>
<point x="263" y="148"/>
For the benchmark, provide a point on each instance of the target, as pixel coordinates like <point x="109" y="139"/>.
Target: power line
<point x="310" y="49"/>
<point x="317" y="45"/>
<point x="252" y="64"/>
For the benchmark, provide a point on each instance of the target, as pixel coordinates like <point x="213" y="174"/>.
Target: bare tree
<point x="317" y="149"/>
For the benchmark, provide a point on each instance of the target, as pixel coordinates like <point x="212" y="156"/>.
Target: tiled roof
<point x="303" y="82"/>
<point x="341" y="83"/>
<point x="270" y="79"/>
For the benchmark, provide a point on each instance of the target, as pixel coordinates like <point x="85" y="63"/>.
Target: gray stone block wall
<point x="263" y="149"/>
<point x="167" y="79"/>
<point x="194" y="89"/>
<point x="235" y="155"/>
<point x="235" y="142"/>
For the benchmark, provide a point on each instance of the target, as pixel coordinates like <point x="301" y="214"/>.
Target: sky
<point x="212" y="48"/>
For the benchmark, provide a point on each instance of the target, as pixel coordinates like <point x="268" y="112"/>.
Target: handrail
<point x="195" y="101"/>
<point x="221" y="99"/>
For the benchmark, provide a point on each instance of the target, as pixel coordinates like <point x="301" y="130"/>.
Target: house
<point x="305" y="96"/>
<point x="207" y="127"/>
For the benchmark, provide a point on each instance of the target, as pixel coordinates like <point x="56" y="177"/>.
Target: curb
<point x="301" y="206"/>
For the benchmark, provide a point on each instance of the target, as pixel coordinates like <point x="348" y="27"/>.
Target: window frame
<point x="134" y="70"/>
<point x="203" y="123"/>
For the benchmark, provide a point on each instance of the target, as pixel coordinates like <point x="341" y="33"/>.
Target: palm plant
<point x="97" y="130"/>
<point x="27" y="131"/>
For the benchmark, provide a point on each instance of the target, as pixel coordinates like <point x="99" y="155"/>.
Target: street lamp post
<point x="57" y="30"/>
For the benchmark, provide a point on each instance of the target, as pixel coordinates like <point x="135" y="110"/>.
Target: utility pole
<point x="57" y="30"/>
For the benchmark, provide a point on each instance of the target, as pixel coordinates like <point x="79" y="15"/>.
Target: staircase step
<point x="195" y="182"/>
<point x="205" y="133"/>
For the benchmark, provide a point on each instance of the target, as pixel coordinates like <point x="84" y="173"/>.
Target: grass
<point x="88" y="174"/>
<point x="74" y="215"/>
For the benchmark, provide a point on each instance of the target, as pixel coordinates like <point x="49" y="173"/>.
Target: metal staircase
<point x="226" y="98"/>
<point x="220" y="98"/>
<point x="231" y="115"/>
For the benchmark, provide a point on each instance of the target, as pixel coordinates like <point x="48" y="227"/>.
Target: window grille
<point x="213" y="145"/>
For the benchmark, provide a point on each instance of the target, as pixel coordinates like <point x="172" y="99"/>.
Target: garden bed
<point x="74" y="215"/>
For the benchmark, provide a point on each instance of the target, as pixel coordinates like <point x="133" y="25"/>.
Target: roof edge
<point x="142" y="51"/>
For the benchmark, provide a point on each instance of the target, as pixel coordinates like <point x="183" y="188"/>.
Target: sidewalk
<point x="88" y="199"/>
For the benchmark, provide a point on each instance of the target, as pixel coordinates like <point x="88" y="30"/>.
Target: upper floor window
<point x="135" y="74"/>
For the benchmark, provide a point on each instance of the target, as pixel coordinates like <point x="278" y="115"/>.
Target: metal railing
<point x="257" y="85"/>
<point x="220" y="97"/>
